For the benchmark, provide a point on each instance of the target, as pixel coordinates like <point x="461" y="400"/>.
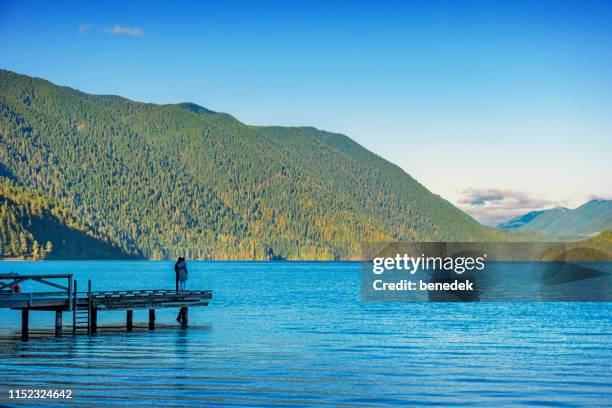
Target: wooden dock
<point x="86" y="305"/>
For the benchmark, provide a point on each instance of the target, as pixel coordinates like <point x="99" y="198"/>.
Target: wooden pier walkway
<point x="85" y="306"/>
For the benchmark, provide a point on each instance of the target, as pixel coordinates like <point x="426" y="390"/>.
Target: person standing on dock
<point x="180" y="269"/>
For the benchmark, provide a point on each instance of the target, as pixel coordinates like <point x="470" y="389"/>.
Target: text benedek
<point x="430" y="286"/>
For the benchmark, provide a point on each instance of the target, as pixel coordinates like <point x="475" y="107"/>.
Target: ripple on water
<point x="286" y="334"/>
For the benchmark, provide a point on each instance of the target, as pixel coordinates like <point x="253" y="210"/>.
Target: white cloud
<point x="122" y="30"/>
<point x="492" y="206"/>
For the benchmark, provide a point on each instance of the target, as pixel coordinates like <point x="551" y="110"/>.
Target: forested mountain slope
<point x="164" y="180"/>
<point x="33" y="226"/>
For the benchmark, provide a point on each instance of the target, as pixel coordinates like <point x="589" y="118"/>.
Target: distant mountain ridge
<point x="589" y="219"/>
<point x="160" y="181"/>
<point x="541" y="216"/>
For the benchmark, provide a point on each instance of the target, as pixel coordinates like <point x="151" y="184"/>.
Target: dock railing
<point x="8" y="280"/>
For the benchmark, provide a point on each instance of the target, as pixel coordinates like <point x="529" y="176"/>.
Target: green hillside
<point x="33" y="226"/>
<point x="563" y="223"/>
<point x="164" y="180"/>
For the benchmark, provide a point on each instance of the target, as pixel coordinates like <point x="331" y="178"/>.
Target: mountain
<point x="540" y="217"/>
<point x="165" y="180"/>
<point x="33" y="226"/>
<point x="590" y="218"/>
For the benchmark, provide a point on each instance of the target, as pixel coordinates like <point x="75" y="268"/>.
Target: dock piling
<point x="129" y="318"/>
<point x="185" y="320"/>
<point x="89" y="325"/>
<point x="58" y="323"/>
<point x="151" y="319"/>
<point x="74" y="307"/>
<point x="94" y="320"/>
<point x="25" y="321"/>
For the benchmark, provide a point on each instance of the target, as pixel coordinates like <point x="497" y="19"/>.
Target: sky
<point x="499" y="107"/>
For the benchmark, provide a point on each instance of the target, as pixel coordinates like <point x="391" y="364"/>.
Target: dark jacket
<point x="181" y="270"/>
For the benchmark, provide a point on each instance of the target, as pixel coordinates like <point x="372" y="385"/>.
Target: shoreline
<point x="173" y="260"/>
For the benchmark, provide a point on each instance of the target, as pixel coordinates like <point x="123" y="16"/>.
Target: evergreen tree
<point x="23" y="245"/>
<point x="36" y="252"/>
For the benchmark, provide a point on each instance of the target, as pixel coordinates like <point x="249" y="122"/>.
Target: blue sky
<point x="500" y="107"/>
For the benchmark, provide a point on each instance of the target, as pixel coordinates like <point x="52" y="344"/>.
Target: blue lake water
<point x="297" y="333"/>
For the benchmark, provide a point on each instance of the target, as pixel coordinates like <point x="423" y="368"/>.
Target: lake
<point x="297" y="333"/>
